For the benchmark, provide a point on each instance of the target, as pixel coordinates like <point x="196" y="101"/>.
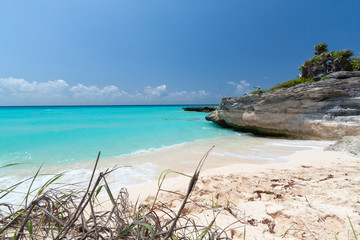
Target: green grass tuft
<point x="286" y="84"/>
<point x="293" y="82"/>
<point x="352" y="228"/>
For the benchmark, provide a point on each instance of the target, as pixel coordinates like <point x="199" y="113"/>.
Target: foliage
<point x="320" y="65"/>
<point x="65" y="214"/>
<point x="325" y="62"/>
<point x="321" y="48"/>
<point x="355" y="62"/>
<point x="352" y="229"/>
<point x="286" y="84"/>
<point x="293" y="82"/>
<point x="261" y="91"/>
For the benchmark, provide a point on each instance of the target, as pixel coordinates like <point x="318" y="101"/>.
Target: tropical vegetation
<point x="325" y="62"/>
<point x="320" y="65"/>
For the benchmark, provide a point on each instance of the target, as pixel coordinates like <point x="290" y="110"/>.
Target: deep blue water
<point x="71" y="134"/>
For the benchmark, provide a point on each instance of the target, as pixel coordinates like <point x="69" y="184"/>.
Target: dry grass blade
<point x="25" y="220"/>
<point x="94" y="218"/>
<point x="50" y="215"/>
<point x="161" y="181"/>
<point x="80" y="208"/>
<point x="192" y="183"/>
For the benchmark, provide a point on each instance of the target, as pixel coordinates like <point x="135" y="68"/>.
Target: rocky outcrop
<point x="327" y="109"/>
<point x="200" y="109"/>
<point x="343" y="75"/>
<point x="349" y="144"/>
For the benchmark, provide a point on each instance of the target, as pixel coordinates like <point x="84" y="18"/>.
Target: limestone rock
<point x="349" y="144"/>
<point x="343" y="74"/>
<point x="214" y="117"/>
<point x="327" y="109"/>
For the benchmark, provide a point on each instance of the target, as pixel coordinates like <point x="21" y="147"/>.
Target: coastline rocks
<point x="343" y="74"/>
<point x="349" y="144"/>
<point x="201" y="109"/>
<point x="328" y="109"/>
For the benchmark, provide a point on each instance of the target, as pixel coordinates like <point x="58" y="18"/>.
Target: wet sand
<point x="146" y="166"/>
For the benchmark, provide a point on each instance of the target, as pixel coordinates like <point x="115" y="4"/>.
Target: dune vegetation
<point x="55" y="211"/>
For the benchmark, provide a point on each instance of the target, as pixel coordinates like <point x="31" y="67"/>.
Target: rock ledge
<point x="328" y="109"/>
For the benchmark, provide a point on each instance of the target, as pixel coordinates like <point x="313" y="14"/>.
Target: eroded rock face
<point x="328" y="109"/>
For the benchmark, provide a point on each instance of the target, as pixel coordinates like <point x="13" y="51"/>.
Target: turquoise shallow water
<point x="141" y="140"/>
<point x="55" y="135"/>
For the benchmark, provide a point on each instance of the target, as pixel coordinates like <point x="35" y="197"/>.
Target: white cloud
<point x="241" y="87"/>
<point x="17" y="91"/>
<point x="156" y="91"/>
<point x="22" y="88"/>
<point x="203" y="93"/>
<point x="186" y="96"/>
<point x="178" y="94"/>
<point x="82" y="91"/>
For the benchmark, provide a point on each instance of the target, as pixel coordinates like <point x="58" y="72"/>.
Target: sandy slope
<point x="307" y="198"/>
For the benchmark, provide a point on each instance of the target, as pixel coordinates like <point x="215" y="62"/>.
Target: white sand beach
<point x="312" y="196"/>
<point x="258" y="187"/>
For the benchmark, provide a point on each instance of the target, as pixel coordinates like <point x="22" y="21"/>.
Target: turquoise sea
<point x="53" y="135"/>
<point x="141" y="140"/>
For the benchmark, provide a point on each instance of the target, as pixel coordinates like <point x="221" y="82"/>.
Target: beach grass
<point x="55" y="213"/>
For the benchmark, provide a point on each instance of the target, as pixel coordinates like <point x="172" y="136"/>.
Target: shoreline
<point x="143" y="167"/>
<point x="312" y="196"/>
<point x="293" y="188"/>
<point x="185" y="157"/>
<point x="312" y="157"/>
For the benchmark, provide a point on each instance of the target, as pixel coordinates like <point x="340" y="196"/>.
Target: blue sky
<point x="161" y="51"/>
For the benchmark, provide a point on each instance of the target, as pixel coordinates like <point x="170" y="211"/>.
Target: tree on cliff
<point x="325" y="62"/>
<point x="321" y="64"/>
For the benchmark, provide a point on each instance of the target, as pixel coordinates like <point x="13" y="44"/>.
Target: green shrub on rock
<point x="355" y="62"/>
<point x="293" y="82"/>
<point x="286" y="84"/>
<point x="320" y="65"/>
<point x="325" y="62"/>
